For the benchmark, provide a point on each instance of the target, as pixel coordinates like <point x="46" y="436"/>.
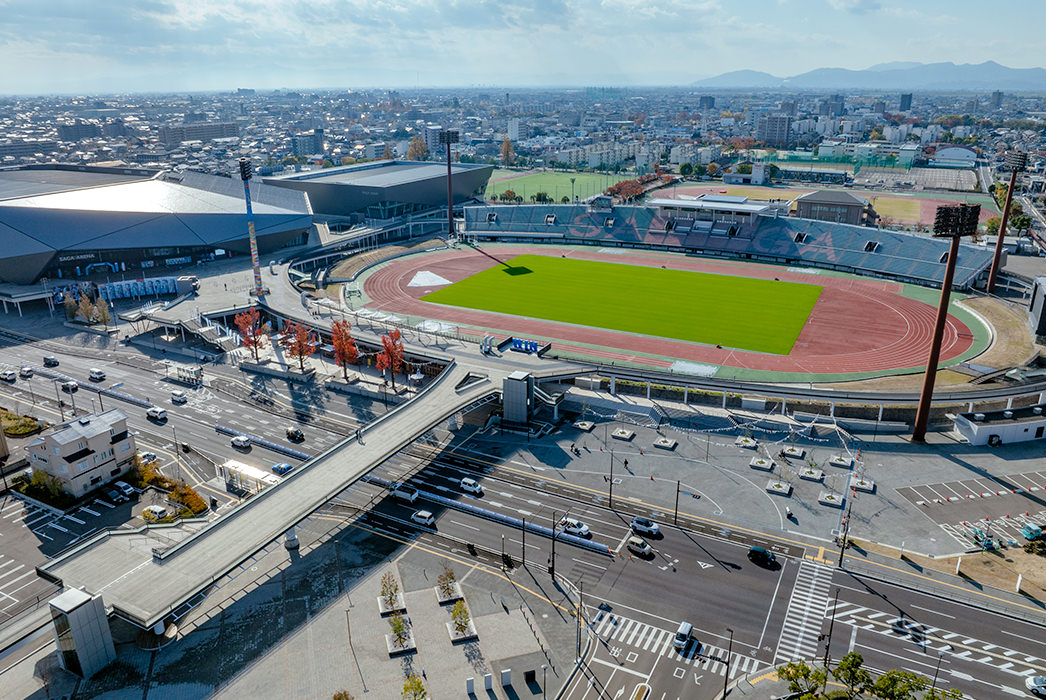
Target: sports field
<point x="736" y="312"/>
<point x="556" y="185"/>
<point x="908" y="208"/>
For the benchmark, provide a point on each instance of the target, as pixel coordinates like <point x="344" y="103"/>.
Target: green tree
<point x="508" y="196"/>
<point x="898" y="685"/>
<point x="942" y="694"/>
<point x="70" y="306"/>
<point x="417" y="150"/>
<point x="851" y="673"/>
<point x="460" y="615"/>
<point x="565" y="199"/>
<point x="686" y="169"/>
<point x="414" y="689"/>
<point x="991" y="226"/>
<point x="390" y="588"/>
<point x="700" y="169"/>
<point x="744" y="168"/>
<point x="712" y="169"/>
<point x="1020" y="222"/>
<point x="802" y="678"/>
<point x="399" y="628"/>
<point x="445" y="581"/>
<point x="85" y="309"/>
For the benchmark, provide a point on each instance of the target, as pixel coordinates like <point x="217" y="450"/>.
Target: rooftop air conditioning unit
<point x="978" y="416"/>
<point x="1037" y="410"/>
<point x="1008" y="414"/>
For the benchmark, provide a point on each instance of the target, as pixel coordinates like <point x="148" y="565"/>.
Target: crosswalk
<point x="937" y="639"/>
<point x="806" y="610"/>
<point x="618" y="632"/>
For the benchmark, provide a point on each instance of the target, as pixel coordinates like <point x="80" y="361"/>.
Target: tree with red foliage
<point x="297" y="342"/>
<point x="345" y="350"/>
<point x="391" y="355"/>
<point x="254" y="333"/>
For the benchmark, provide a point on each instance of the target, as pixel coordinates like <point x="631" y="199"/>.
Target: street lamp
<point x="1016" y="162"/>
<point x="543" y="669"/>
<point x="245" y="175"/>
<point x="933" y="686"/>
<point x="729" y="648"/>
<point x="572" y="198"/>
<point x="954" y="223"/>
<point x="447" y="137"/>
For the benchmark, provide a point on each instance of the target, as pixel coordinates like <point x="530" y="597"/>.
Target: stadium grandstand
<point x="742" y="229"/>
<point x="62" y="221"/>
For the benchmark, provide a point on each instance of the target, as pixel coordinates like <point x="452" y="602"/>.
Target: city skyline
<point x="158" y="46"/>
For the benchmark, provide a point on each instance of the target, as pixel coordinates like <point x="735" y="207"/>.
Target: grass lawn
<point x="736" y="312"/>
<point x="897" y="208"/>
<point x="557" y="185"/>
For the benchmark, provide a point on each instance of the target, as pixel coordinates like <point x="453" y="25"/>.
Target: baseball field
<point x="735" y="312"/>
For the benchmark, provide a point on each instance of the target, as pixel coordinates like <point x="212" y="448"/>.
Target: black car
<point x="295" y="435"/>
<point x="50" y="361"/>
<point x="762" y="557"/>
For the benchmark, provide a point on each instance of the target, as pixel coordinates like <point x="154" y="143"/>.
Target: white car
<point x="639" y="546"/>
<point x="1036" y="684"/>
<point x="70" y="387"/>
<point x="8" y="375"/>
<point x="25" y="372"/>
<point x="178" y="396"/>
<point x="147" y="457"/>
<point x="97" y="375"/>
<point x="646" y="526"/>
<point x="124" y="488"/>
<point x="241" y="442"/>
<point x="471" y="486"/>
<point x="423" y="517"/>
<point x="573" y="526"/>
<point x="154" y="513"/>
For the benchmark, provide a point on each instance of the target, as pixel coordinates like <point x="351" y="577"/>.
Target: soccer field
<point x="556" y="185"/>
<point x="735" y="312"/>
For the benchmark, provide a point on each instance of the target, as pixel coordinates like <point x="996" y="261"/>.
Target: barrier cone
<point x="651" y="477"/>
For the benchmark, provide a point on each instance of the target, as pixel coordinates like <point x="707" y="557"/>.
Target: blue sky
<point x="106" y="46"/>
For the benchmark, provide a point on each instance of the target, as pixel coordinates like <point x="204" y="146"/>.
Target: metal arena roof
<point x="380" y="174"/>
<point x="30" y="182"/>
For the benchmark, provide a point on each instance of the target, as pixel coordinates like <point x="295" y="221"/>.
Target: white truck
<point x="405" y="493"/>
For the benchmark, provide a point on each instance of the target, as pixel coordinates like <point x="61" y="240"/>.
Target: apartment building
<point x="85" y="452"/>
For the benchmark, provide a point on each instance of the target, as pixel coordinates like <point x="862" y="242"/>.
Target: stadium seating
<point x="801" y="242"/>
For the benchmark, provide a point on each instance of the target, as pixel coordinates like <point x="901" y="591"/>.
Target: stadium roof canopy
<point x="52" y="213"/>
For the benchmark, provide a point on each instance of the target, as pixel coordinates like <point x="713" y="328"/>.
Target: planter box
<point x="796" y="452"/>
<point x="779" y="487"/>
<point x="762" y="463"/>
<point x="409" y="647"/>
<point x="622" y="434"/>
<point x="833" y="500"/>
<point x="398" y="606"/>
<point x="866" y="485"/>
<point x="585" y="426"/>
<point x="455" y="594"/>
<point x="841" y="461"/>
<point x="811" y="474"/>
<point x="746" y="442"/>
<point x="468" y="635"/>
<point x="665" y="443"/>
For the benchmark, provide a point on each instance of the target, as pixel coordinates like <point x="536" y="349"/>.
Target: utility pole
<point x="449" y="136"/>
<point x="523" y="549"/>
<point x="580" y="613"/>
<point x="831" y="626"/>
<point x="846" y="526"/>
<point x="675" y="514"/>
<point x="611" y="479"/>
<point x="552" y="559"/>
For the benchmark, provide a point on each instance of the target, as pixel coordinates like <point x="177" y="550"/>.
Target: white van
<point x="97" y="375"/>
<point x="683" y="634"/>
<point x="156" y="413"/>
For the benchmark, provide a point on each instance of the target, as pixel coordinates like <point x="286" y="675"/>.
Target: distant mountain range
<point x="897" y="75"/>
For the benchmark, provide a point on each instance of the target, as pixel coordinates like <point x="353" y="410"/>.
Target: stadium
<point x="60" y="221"/>
<point x="723" y="287"/>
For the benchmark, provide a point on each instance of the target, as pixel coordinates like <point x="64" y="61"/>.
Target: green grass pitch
<point x="555" y="184"/>
<point x="735" y="312"/>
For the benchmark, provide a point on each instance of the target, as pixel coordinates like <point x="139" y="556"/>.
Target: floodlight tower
<point x="954" y="223"/>
<point x="245" y="175"/>
<point x="1016" y="162"/>
<point x="449" y="136"/>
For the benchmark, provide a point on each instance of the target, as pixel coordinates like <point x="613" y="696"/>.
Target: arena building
<point x="384" y="189"/>
<point x="61" y="221"/>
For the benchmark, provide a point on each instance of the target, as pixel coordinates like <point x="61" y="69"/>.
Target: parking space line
<point x="88" y="511"/>
<point x="56" y="526"/>
<point x="8" y="573"/>
<point x="75" y="520"/>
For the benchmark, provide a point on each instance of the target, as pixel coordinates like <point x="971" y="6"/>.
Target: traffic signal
<point x="245" y="169"/>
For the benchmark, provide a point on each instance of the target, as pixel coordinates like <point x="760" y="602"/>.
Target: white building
<point x="1002" y="427"/>
<point x="86" y="452"/>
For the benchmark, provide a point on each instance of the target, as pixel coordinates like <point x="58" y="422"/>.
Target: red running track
<point x="857" y="325"/>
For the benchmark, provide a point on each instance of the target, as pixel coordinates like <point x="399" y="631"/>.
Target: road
<point x="775" y="614"/>
<point x="33" y="535"/>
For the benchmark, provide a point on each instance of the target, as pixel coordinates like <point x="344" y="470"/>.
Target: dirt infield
<point x="858" y="326"/>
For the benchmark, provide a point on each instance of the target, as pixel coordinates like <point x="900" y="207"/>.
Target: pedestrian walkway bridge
<point x="144" y="575"/>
